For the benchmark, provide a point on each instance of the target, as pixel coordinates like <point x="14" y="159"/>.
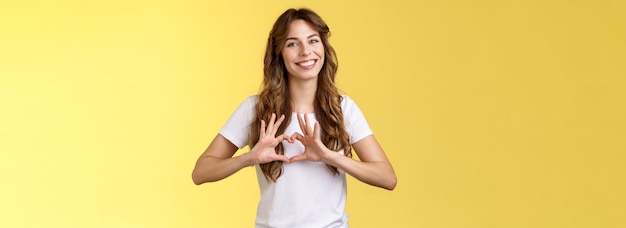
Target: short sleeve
<point x="237" y="128"/>
<point x="355" y="122"/>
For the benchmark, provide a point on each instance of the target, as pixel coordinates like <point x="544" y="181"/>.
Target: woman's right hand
<point x="265" y="149"/>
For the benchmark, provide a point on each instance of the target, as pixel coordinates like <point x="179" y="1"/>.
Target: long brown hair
<point x="275" y="98"/>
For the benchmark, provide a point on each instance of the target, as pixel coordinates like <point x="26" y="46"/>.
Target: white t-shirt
<point x="307" y="194"/>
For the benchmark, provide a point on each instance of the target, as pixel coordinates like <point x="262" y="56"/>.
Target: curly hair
<point x="274" y="96"/>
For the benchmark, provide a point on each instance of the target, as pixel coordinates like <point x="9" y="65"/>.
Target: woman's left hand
<point x="314" y="149"/>
<point x="373" y="167"/>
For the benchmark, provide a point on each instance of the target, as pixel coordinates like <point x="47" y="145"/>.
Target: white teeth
<point x="307" y="63"/>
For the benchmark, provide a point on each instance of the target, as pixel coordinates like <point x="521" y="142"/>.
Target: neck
<point x="303" y="95"/>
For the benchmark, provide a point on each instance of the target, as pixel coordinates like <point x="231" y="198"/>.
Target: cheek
<point x="320" y="50"/>
<point x="322" y="53"/>
<point x="287" y="57"/>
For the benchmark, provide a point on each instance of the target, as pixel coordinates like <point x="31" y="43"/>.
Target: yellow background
<point x="493" y="113"/>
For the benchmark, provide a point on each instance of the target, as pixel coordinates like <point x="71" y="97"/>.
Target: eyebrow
<point x="308" y="37"/>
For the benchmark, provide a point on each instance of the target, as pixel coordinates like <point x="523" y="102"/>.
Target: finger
<point x="296" y="136"/>
<point x="270" y="125"/>
<point x="277" y="124"/>
<point x="316" y="129"/>
<point x="306" y="122"/>
<point x="301" y="123"/>
<point x="284" y="137"/>
<point x="278" y="157"/>
<point x="262" y="129"/>
<point x="299" y="157"/>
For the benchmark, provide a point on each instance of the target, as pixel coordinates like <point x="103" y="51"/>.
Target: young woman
<point x="301" y="132"/>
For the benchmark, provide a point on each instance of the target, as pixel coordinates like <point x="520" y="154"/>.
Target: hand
<point x="314" y="149"/>
<point x="265" y="149"/>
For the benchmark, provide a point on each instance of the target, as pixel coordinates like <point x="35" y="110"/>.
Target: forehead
<point x="300" y="29"/>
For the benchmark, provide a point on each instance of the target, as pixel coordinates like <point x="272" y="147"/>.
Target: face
<point x="303" y="52"/>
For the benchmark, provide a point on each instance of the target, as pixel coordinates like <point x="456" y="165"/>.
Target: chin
<point x="307" y="76"/>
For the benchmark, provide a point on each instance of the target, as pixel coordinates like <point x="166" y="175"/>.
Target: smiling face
<point x="303" y="51"/>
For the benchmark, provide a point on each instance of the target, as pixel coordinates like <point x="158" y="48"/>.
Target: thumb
<point x="282" y="158"/>
<point x="299" y="157"/>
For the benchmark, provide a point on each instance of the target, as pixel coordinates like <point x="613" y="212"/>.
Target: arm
<point x="217" y="161"/>
<point x="373" y="168"/>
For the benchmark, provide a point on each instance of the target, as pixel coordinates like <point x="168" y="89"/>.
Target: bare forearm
<point x="210" y="169"/>
<point x="378" y="174"/>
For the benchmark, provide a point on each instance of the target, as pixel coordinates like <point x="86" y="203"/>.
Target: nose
<point x="305" y="50"/>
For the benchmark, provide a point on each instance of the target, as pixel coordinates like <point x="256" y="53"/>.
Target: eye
<point x="291" y="44"/>
<point x="314" y="41"/>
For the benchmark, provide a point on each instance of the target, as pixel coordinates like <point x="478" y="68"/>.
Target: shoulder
<point x="347" y="104"/>
<point x="249" y="103"/>
<point x="246" y="108"/>
<point x="354" y="120"/>
<point x="252" y="99"/>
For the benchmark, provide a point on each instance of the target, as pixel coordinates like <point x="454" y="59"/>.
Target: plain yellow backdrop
<point x="493" y="113"/>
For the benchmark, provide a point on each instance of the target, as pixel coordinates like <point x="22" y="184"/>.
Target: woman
<point x="303" y="151"/>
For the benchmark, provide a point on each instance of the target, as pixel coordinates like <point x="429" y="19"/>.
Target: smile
<point x="307" y="63"/>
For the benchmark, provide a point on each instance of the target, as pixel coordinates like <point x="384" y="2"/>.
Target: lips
<point x="307" y="63"/>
